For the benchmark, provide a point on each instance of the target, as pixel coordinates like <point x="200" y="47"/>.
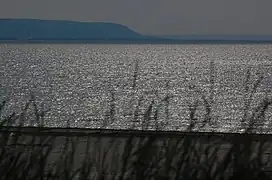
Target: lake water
<point x="106" y="85"/>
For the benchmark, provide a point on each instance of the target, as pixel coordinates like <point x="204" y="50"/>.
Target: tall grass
<point x="43" y="154"/>
<point x="150" y="156"/>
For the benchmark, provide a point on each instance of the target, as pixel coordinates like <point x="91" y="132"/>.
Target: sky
<point x="155" y="17"/>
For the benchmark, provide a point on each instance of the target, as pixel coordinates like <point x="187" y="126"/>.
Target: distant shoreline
<point x="37" y="31"/>
<point x="135" y="42"/>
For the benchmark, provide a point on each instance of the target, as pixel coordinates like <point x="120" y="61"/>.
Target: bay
<point x="113" y="86"/>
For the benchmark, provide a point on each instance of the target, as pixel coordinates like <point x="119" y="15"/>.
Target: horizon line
<point x="148" y="34"/>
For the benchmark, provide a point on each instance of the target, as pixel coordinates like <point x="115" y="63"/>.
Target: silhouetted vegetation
<point x="49" y="153"/>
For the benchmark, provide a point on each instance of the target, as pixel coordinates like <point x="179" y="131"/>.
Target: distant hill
<point x="32" y="29"/>
<point x="55" y="31"/>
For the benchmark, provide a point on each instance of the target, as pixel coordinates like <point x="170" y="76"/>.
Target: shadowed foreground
<point x="44" y="153"/>
<point x="65" y="153"/>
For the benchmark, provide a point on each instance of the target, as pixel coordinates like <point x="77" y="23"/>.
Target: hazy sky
<point x="157" y="17"/>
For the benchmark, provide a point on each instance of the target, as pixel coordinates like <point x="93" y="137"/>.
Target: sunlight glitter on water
<point x="76" y="81"/>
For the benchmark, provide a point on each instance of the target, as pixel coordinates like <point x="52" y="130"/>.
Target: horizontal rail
<point x="48" y="131"/>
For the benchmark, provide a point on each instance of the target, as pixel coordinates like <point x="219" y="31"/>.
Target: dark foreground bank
<point x="59" y="153"/>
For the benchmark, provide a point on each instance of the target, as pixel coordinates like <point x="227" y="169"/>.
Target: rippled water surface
<point x="115" y="85"/>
